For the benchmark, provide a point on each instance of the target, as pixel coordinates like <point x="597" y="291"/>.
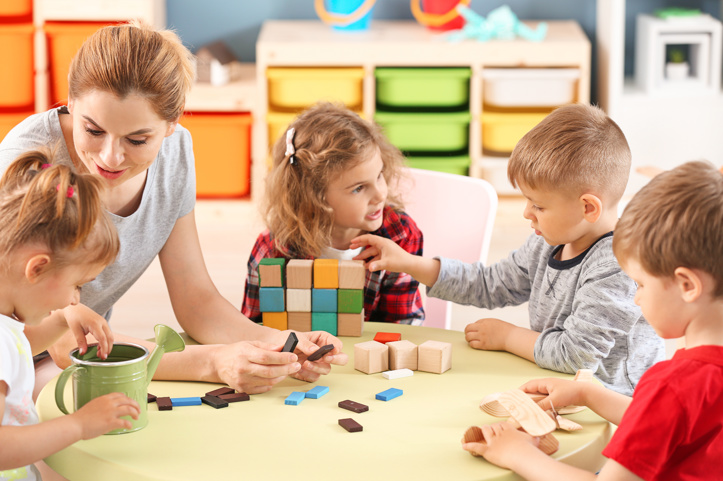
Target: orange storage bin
<point x="222" y="147"/>
<point x="16" y="10"/>
<point x="64" y="40"/>
<point x="16" y="58"/>
<point x="8" y="121"/>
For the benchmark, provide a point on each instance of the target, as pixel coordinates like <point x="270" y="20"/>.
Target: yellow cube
<point x="276" y="320"/>
<point x="326" y="274"/>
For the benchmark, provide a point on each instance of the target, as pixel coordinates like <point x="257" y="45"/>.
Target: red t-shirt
<point x="673" y="429"/>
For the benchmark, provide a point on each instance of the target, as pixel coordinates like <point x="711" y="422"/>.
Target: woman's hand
<point x="310" y="342"/>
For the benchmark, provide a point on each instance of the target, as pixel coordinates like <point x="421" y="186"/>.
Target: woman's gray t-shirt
<point x="168" y="195"/>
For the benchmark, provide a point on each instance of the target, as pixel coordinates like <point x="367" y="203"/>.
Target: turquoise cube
<point x="324" y="321"/>
<point x="323" y="300"/>
<point x="271" y="299"/>
<point x="350" y="301"/>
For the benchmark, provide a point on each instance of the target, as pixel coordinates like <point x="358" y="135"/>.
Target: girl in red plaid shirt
<point x="330" y="183"/>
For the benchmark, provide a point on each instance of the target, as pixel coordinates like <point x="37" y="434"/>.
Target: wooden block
<point x="271" y="272"/>
<point x="350" y="300"/>
<point x="164" y="403"/>
<point x="219" y="391"/>
<point x="385" y="337"/>
<point x="150" y="398"/>
<point x="353" y="406"/>
<point x="326" y="273"/>
<point x="214" y="402"/>
<point x="317" y="391"/>
<point x="352" y="275"/>
<point x="235" y="397"/>
<point x="474" y="435"/>
<point x="350" y="325"/>
<point x="276" y="320"/>
<point x="271" y="299"/>
<point x="389" y="394"/>
<point x="397" y="374"/>
<point x="186" y="401"/>
<point x="435" y="356"/>
<point x="350" y="425"/>
<point x="526" y="412"/>
<point x="295" y="398"/>
<point x="490" y="404"/>
<point x="323" y="300"/>
<point x="371" y="357"/>
<point x="299" y="321"/>
<point x="290" y="343"/>
<point x="324" y="321"/>
<point x="403" y="355"/>
<point x="298" y="300"/>
<point x="298" y="273"/>
<point x="321" y="352"/>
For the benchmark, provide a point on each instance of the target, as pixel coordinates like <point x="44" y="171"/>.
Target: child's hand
<point x="381" y="253"/>
<point x="504" y="445"/>
<point x="488" y="334"/>
<point x="105" y="413"/>
<point x="83" y="320"/>
<point x="561" y="392"/>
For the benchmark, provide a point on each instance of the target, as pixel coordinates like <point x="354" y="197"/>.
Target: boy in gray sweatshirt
<point x="572" y="168"/>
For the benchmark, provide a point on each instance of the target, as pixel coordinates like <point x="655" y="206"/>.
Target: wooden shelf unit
<point x="405" y="44"/>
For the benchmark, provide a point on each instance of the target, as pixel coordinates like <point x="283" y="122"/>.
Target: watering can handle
<point x="60" y="386"/>
<point x="342" y="20"/>
<point x="433" y="19"/>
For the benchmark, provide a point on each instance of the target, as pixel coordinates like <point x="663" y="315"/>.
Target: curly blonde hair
<point x="329" y="139"/>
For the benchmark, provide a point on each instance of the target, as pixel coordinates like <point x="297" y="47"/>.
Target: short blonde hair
<point x="329" y="139"/>
<point x="133" y="58"/>
<point x="576" y="149"/>
<point x="676" y="220"/>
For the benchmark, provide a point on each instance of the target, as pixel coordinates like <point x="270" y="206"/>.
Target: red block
<point x="385" y="337"/>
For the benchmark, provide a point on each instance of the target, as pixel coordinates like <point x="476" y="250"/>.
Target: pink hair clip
<point x="45" y="166"/>
<point x="70" y="192"/>
<point x="290" y="150"/>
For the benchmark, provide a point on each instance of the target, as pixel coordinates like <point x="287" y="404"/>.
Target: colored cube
<point x="385" y="337"/>
<point x="298" y="273"/>
<point x="403" y="355"/>
<point x="371" y="357"/>
<point x="271" y="299"/>
<point x="389" y="394"/>
<point x="275" y="320"/>
<point x="323" y="300"/>
<point x="324" y="321"/>
<point x="326" y="273"/>
<point x="271" y="272"/>
<point x="350" y="300"/>
<point x="350" y="325"/>
<point x="299" y="321"/>
<point x="295" y="398"/>
<point x="435" y="356"/>
<point x="352" y="275"/>
<point x="298" y="300"/>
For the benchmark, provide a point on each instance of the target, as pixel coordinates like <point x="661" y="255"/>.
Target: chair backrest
<point x="456" y="214"/>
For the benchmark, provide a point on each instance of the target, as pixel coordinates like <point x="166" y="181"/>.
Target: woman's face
<point x="116" y="139"/>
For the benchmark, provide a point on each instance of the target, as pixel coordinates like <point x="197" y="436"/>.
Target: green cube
<point x="350" y="301"/>
<point x="324" y="321"/>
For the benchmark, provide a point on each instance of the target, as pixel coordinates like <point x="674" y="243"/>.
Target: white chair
<point x="456" y="214"/>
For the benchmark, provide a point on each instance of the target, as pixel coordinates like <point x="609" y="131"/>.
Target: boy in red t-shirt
<point x="670" y="241"/>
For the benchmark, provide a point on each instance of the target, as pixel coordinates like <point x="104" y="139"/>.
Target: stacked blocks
<point x="312" y="295"/>
<point x="431" y="356"/>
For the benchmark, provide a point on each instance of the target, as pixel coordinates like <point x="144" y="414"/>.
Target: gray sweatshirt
<point x="582" y="307"/>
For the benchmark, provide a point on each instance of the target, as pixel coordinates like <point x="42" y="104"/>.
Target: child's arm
<point x="24" y="445"/>
<point x="81" y="320"/>
<point x="385" y="254"/>
<point x="496" y="335"/>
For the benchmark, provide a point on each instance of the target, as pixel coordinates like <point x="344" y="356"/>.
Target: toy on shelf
<point x="312" y="295"/>
<point x="345" y="14"/>
<point x="501" y="24"/>
<point x="438" y="14"/>
<point x="216" y="64"/>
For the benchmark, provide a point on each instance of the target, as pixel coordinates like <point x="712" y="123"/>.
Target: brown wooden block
<point x="474" y="435"/>
<point x="353" y="406"/>
<point x="164" y="403"/>
<point x="235" y="397"/>
<point x="276" y="320"/>
<point x="299" y="321"/>
<point x="219" y="391"/>
<point x="352" y="275"/>
<point x="299" y="273"/>
<point x="371" y="357"/>
<point x="214" y="402"/>
<point x="402" y="355"/>
<point x="151" y="398"/>
<point x="270" y="276"/>
<point x="321" y="352"/>
<point x="349" y="325"/>
<point x="326" y="274"/>
<point x="435" y="356"/>
<point x="350" y="425"/>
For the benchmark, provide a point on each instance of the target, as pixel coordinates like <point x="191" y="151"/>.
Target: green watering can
<point x="128" y="369"/>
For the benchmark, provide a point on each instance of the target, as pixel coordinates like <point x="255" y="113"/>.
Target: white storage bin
<point x="529" y="87"/>
<point x="494" y="171"/>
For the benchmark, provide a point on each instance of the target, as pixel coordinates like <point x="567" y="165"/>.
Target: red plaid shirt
<point x="388" y="296"/>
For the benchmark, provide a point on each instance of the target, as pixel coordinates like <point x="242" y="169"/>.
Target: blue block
<point x="389" y="394"/>
<point x="324" y="321"/>
<point x="185" y="401"/>
<point x="295" y="398"/>
<point x="323" y="300"/>
<point x="271" y="299"/>
<point x="317" y="392"/>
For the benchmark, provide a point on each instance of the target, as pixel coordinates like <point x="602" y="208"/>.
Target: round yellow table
<point x="415" y="436"/>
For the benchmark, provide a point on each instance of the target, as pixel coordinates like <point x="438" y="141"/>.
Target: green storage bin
<point x="426" y="132"/>
<point x="452" y="165"/>
<point x="423" y="87"/>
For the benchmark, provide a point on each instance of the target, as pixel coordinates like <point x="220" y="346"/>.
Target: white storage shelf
<point x="408" y="44"/>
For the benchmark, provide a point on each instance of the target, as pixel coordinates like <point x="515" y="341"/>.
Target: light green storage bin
<point x="426" y="132"/>
<point x="423" y="87"/>
<point x="451" y="165"/>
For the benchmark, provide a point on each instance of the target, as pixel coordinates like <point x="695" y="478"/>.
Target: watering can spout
<point x="167" y="340"/>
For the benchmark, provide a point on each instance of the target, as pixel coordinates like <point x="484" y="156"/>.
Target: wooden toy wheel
<point x="434" y="19"/>
<point x="342" y="20"/>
